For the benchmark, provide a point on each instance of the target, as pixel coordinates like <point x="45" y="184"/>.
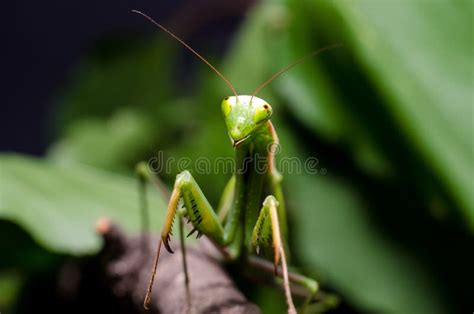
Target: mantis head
<point x="244" y="115"/>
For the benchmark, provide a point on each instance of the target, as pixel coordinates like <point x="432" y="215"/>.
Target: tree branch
<point x="127" y="264"/>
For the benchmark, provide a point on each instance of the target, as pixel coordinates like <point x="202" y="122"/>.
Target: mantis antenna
<point x="288" y="67"/>
<point x="189" y="48"/>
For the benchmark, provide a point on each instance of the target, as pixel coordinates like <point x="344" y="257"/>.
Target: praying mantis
<point x="247" y="220"/>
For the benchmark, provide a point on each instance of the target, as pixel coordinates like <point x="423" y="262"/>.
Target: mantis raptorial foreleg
<point x="267" y="233"/>
<point x="197" y="209"/>
<point x="144" y="177"/>
<point x="276" y="188"/>
<point x="264" y="226"/>
<point x="275" y="178"/>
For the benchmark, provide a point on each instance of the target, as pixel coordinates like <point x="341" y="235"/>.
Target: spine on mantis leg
<point x="198" y="210"/>
<point x="171" y="213"/>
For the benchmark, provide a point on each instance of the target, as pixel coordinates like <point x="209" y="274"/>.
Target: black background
<point x="43" y="41"/>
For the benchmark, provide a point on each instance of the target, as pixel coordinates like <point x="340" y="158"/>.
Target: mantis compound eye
<point x="262" y="113"/>
<point x="226" y="106"/>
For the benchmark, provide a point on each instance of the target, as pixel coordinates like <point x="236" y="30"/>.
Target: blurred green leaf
<point x="247" y="63"/>
<point x="119" y="76"/>
<point x="339" y="241"/>
<point x="119" y="107"/>
<point x="406" y="93"/>
<point x="59" y="205"/>
<point x="336" y="238"/>
<point x="314" y="99"/>
<point x="24" y="255"/>
<point x="10" y="284"/>
<point x="113" y="144"/>
<point x="317" y="101"/>
<point x="426" y="81"/>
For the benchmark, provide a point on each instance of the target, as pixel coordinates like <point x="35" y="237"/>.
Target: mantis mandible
<point x="245" y="224"/>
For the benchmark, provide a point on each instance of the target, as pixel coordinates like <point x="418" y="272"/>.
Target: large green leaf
<point x="404" y="83"/>
<point x="117" y="110"/>
<point x="10" y="284"/>
<point x="337" y="239"/>
<point x="352" y="254"/>
<point x="59" y="205"/>
<point x="322" y="105"/>
<point x="113" y="144"/>
<point x="119" y="75"/>
<point x="418" y="54"/>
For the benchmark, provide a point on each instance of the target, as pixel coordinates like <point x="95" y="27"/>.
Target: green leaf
<point x="10" y="284"/>
<point x="403" y="81"/>
<point x="117" y="76"/>
<point x="60" y="204"/>
<point x="337" y="239"/>
<point x="418" y="55"/>
<point x="113" y="144"/>
<point x="352" y="254"/>
<point x="247" y="62"/>
<point x="309" y="91"/>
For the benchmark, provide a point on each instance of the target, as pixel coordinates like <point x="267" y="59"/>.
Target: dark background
<point x="44" y="41"/>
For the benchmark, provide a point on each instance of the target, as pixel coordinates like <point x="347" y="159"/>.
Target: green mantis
<point x="250" y="219"/>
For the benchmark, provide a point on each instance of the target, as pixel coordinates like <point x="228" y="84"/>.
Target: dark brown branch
<point x="127" y="270"/>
